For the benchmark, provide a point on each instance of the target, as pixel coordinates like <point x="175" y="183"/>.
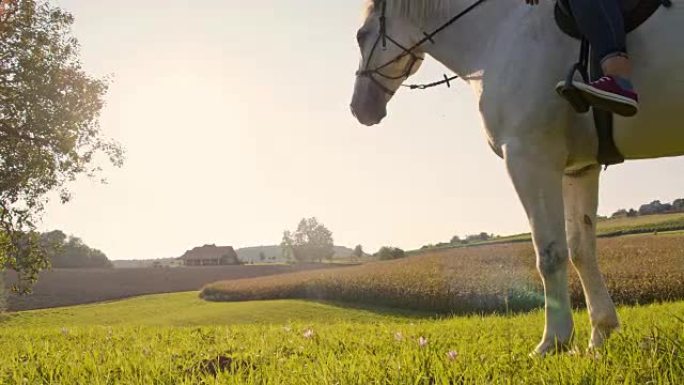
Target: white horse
<point x="512" y="56"/>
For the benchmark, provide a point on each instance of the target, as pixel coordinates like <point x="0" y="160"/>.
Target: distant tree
<point x="387" y="253"/>
<point x="620" y="214"/>
<point x="71" y="252"/>
<point x="312" y="241"/>
<point x="358" y="252"/>
<point x="481" y="237"/>
<point x="262" y="256"/>
<point x="678" y="205"/>
<point x="455" y="240"/>
<point x="49" y="130"/>
<point x="632" y="213"/>
<point x="655" y="207"/>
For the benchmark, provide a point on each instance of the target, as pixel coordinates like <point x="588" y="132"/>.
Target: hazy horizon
<point x="234" y="132"/>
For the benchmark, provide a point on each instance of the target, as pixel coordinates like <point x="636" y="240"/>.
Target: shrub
<point x="388" y="253"/>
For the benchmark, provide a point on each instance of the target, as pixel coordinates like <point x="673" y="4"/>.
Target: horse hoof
<point x="601" y="332"/>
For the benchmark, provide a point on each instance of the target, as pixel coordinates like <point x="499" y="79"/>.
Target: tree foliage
<point x="655" y="207"/>
<point x="387" y="253"/>
<point x="358" y="252"/>
<point x="71" y="252"/>
<point x="49" y="130"/>
<point x="312" y="241"/>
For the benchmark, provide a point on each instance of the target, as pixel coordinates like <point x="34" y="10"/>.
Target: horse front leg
<point x="538" y="179"/>
<point x="581" y="203"/>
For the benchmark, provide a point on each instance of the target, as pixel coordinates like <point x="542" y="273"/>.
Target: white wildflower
<point x="422" y="342"/>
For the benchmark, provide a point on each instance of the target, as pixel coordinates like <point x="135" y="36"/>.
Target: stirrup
<point x="569" y="92"/>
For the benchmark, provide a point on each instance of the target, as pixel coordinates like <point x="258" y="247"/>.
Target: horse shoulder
<point x="518" y="101"/>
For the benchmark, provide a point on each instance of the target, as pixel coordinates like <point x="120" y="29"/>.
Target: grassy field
<point x="187" y="309"/>
<point x="638" y="269"/>
<point x="179" y="339"/>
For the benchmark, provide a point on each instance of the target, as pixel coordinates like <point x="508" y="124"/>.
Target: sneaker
<point x="606" y="94"/>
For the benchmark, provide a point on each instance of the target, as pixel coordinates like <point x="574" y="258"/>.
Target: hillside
<point x="501" y="277"/>
<point x="605" y="228"/>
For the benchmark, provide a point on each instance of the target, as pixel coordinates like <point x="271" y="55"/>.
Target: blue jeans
<point x="602" y="23"/>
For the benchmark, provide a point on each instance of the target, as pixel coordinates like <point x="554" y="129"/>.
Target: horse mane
<point x="417" y="10"/>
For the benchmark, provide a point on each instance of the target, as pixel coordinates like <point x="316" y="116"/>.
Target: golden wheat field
<point x="494" y="278"/>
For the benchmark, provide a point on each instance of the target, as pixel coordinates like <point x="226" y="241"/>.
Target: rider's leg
<point x="602" y="23"/>
<point x="617" y="66"/>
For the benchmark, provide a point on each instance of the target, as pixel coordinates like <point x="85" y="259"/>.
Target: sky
<point x="235" y="119"/>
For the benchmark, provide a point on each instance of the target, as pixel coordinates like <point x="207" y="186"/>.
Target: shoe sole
<point x="620" y="105"/>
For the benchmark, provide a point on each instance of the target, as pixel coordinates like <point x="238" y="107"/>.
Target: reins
<point x="428" y="37"/>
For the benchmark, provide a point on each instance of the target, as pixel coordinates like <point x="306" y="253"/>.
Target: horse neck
<point x="463" y="47"/>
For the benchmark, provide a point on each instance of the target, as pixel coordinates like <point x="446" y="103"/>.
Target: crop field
<point x="64" y="287"/>
<point x="180" y="339"/>
<point x="491" y="278"/>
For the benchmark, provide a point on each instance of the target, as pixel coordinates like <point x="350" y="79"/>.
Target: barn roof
<point x="207" y="252"/>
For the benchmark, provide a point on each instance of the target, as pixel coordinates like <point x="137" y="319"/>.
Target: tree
<point x="655" y="207"/>
<point x="619" y="214"/>
<point x="71" y="252"/>
<point x="455" y="240"/>
<point x="481" y="237"/>
<point x="387" y="253"/>
<point x="262" y="256"/>
<point x="358" y="252"/>
<point x="312" y="241"/>
<point x="678" y="205"/>
<point x="49" y="130"/>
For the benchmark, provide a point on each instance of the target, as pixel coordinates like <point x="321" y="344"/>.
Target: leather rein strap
<point x="382" y="39"/>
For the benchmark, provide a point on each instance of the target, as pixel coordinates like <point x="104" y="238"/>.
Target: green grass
<point x="187" y="309"/>
<point x="177" y="339"/>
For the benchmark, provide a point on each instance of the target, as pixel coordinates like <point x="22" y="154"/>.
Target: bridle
<point x="414" y="58"/>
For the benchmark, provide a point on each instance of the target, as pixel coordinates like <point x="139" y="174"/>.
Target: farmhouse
<point x="210" y="255"/>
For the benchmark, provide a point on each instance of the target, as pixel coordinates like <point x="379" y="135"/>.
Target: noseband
<point x="414" y="58"/>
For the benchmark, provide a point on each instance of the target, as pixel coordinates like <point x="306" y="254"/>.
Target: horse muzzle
<point x="369" y="103"/>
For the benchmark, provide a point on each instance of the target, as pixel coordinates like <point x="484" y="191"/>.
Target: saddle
<point x="635" y="13"/>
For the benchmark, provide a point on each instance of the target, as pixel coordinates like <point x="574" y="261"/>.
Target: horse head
<point x="388" y="58"/>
